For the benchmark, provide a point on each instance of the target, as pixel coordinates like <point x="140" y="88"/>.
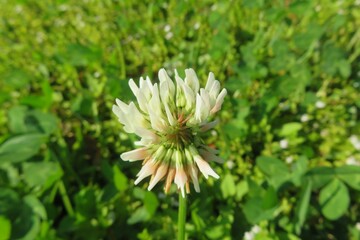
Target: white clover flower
<point x="355" y="141"/>
<point x="284" y="143"/>
<point x="170" y="118"/>
<point x="304" y="118"/>
<point x="320" y="104"/>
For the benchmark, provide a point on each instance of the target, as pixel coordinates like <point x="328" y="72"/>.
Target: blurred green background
<point x="289" y="128"/>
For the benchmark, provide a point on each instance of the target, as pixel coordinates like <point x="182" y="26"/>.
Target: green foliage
<point x="289" y="130"/>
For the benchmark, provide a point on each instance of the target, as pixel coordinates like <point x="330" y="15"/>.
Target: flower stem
<point x="181" y="217"/>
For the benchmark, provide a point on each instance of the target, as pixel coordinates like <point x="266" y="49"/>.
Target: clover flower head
<point x="170" y="117"/>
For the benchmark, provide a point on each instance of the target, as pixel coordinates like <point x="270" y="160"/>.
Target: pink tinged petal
<point x="210" y="149"/>
<point x="180" y="179"/>
<point x="194" y="177"/>
<point x="219" y="101"/>
<point x="191" y="79"/>
<point x="146" y="170"/>
<point x="160" y="173"/>
<point x="134" y="155"/>
<point x="209" y="156"/>
<point x="208" y="126"/>
<point x="205" y="168"/>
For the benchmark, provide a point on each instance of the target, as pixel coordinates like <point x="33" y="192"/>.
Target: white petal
<point x="190" y="97"/>
<point x="219" y="101"/>
<point x="201" y="111"/>
<point x="157" y="123"/>
<point x="160" y="173"/>
<point x="204" y="167"/>
<point x="167" y="91"/>
<point x="133" y="86"/>
<point x="123" y="106"/>
<point x="194" y="177"/>
<point x="134" y="155"/>
<point x="143" y="103"/>
<point x="205" y="97"/>
<point x="191" y="79"/>
<point x="210" y="82"/>
<point x="169" y="114"/>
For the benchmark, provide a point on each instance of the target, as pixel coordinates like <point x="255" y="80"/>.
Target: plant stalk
<point x="181" y="217"/>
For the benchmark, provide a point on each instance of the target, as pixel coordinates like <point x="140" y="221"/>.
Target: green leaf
<point x="290" y="129"/>
<point x="120" y="180"/>
<point x="302" y="206"/>
<point x="228" y="186"/>
<point x="350" y="174"/>
<point x="241" y="189"/>
<point x="5" y="228"/>
<point x="140" y="215"/>
<point x="20" y="148"/>
<point x="37" y="207"/>
<point x="80" y="55"/>
<point x="275" y="169"/>
<point x="320" y="176"/>
<point x="16" y="78"/>
<point x="16" y="116"/>
<point x="43" y="174"/>
<point x="299" y="170"/>
<point x="145" y="212"/>
<point x="334" y="199"/>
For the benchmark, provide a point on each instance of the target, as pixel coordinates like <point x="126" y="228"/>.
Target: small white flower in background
<point x="170" y="118"/>
<point x="169" y="35"/>
<point x="196" y="25"/>
<point x="304" y="118"/>
<point x="320" y="104"/>
<point x="252" y="233"/>
<point x="284" y="143"/>
<point x="352" y="161"/>
<point x="230" y="164"/>
<point x="289" y="159"/>
<point x="357" y="226"/>
<point x="355" y="142"/>
<point x="167" y="28"/>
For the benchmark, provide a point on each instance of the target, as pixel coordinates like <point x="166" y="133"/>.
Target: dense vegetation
<point x="289" y="128"/>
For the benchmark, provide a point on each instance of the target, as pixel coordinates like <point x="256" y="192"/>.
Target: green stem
<point x="65" y="198"/>
<point x="181" y="217"/>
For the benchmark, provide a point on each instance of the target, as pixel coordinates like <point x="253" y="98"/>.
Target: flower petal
<point x="219" y="101"/>
<point x="205" y="168"/>
<point x="160" y="173"/>
<point x="191" y="79"/>
<point x="146" y="170"/>
<point x="134" y="155"/>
